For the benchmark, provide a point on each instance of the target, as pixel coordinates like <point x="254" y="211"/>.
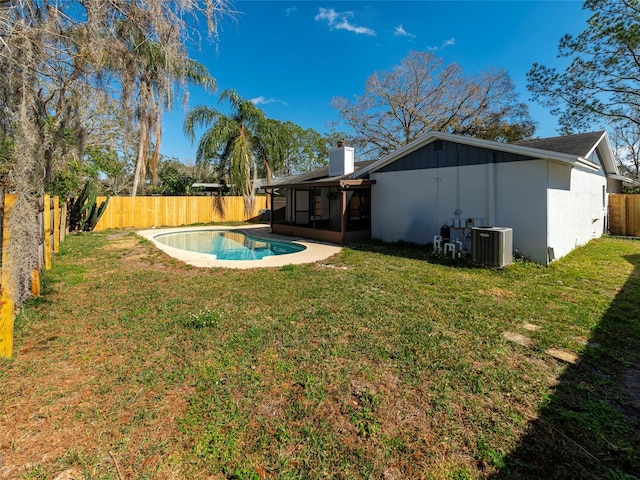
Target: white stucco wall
<point x="521" y="203"/>
<point x="412" y="205"/>
<point x="576" y="215"/>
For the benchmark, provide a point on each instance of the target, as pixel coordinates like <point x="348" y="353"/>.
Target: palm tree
<point x="230" y="141"/>
<point x="273" y="139"/>
<point x="149" y="80"/>
<point x="186" y="71"/>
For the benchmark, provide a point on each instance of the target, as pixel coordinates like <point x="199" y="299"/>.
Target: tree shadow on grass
<point x="590" y="426"/>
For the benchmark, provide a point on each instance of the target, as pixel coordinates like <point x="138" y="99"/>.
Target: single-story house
<point x="552" y="193"/>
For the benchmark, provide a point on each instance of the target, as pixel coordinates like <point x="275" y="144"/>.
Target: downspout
<point x="550" y="252"/>
<point x="491" y="194"/>
<point x="457" y="183"/>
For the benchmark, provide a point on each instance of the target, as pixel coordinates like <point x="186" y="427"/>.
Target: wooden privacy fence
<point x="52" y="228"/>
<point x="624" y="214"/>
<point x="138" y="212"/>
<point x="145" y="212"/>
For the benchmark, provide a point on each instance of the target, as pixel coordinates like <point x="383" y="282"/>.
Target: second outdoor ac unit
<point x="492" y="246"/>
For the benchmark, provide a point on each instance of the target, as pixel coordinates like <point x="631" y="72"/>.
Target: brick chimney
<point x="341" y="160"/>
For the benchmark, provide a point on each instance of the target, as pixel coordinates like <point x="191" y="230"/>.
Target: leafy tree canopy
<point x="175" y="179"/>
<point x="286" y="148"/>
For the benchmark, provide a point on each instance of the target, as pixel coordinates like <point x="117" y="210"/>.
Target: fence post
<point x="6" y="299"/>
<point x="63" y="221"/>
<point x="35" y="282"/>
<point x="35" y="273"/>
<point x="46" y="220"/>
<point x="56" y="224"/>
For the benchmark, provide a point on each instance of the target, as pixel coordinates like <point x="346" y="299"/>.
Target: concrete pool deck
<point x="314" y="251"/>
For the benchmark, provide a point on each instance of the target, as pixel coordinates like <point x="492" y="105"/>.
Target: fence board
<point x="41" y="259"/>
<point x="617" y="215"/>
<point x="633" y="215"/>
<point x="46" y="243"/>
<point x="56" y="224"/>
<point x="51" y="229"/>
<point x="145" y="212"/>
<point x="624" y="214"/>
<point x="7" y="311"/>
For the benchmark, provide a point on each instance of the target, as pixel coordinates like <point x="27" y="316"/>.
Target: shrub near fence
<point x="145" y="212"/>
<point x="624" y="215"/>
<point x="52" y="227"/>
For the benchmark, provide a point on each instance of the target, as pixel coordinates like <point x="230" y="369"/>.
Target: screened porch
<point x="337" y="213"/>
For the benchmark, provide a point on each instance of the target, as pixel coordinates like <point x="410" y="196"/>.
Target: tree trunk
<point x="141" y="162"/>
<point x="48" y="168"/>
<point x="156" y="151"/>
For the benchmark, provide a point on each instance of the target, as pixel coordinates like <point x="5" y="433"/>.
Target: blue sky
<point x="293" y="57"/>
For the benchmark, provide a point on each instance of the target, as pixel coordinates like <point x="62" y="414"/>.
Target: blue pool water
<point x="227" y="245"/>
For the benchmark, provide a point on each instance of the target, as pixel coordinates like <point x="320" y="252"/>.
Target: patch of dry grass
<point x="375" y="364"/>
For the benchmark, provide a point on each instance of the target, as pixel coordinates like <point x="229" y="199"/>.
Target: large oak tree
<point x="421" y="95"/>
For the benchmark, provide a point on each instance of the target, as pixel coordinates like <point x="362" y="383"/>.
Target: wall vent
<point x="492" y="246"/>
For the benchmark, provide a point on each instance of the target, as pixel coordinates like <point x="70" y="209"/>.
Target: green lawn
<point x="379" y="363"/>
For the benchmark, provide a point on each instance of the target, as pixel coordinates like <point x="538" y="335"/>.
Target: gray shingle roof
<point x="320" y="174"/>
<point x="579" y="144"/>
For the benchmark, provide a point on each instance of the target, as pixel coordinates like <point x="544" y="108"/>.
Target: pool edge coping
<point x="314" y="252"/>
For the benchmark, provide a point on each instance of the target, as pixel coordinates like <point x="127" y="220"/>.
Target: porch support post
<point x="312" y="207"/>
<point x="271" y="209"/>
<point x="294" y="206"/>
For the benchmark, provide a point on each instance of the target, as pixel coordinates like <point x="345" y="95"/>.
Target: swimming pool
<point x="227" y="244"/>
<point x="313" y="251"/>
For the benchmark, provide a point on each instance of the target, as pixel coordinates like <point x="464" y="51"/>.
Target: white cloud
<point x="328" y="14"/>
<point x="340" y="21"/>
<point x="262" y="100"/>
<point x="290" y="10"/>
<point x="401" y="32"/>
<point x="445" y="44"/>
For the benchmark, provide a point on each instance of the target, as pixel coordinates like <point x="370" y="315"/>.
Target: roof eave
<point x="341" y="183"/>
<point x="356" y="182"/>
<point x="586" y="163"/>
<point x="595" y="145"/>
<point x="627" y="180"/>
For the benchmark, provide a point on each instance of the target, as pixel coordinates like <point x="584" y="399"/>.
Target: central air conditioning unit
<point x="492" y="246"/>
